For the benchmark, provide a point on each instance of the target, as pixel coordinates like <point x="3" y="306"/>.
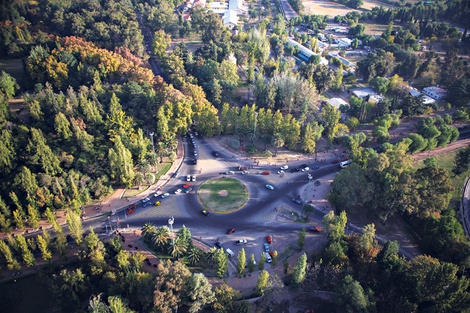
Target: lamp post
<point x="305" y="196"/>
<point x="254" y="130"/>
<point x="171" y="220"/>
<point x="154" y="156"/>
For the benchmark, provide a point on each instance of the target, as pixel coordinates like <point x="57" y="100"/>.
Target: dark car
<point x="316" y="229"/>
<point x="215" y="153"/>
<point x="303" y="166"/>
<point x="292" y="170"/>
<point x="205" y="212"/>
<point x="230" y="230"/>
<point x="316" y="167"/>
<point x="297" y="201"/>
<point x="219" y="245"/>
<point x="334" y="161"/>
<point x="195" y="161"/>
<point x="174" y="174"/>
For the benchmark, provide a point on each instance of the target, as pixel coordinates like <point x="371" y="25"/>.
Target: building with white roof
<point x="337" y="102"/>
<point x="305" y="53"/>
<point x="218" y="7"/>
<point x="366" y="92"/>
<point x="230" y="19"/>
<point x="343" y="60"/>
<point x="435" y="92"/>
<point x="238" y="6"/>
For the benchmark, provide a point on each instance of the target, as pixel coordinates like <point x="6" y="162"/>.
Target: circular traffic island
<point x="223" y="195"/>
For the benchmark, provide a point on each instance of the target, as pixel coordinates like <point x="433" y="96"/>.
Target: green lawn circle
<point x="209" y="195"/>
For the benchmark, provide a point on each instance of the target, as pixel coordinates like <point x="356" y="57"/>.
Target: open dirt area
<point x="330" y="8"/>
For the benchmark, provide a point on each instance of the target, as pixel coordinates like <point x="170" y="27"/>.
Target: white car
<point x="157" y="194"/>
<point x="285" y="167"/>
<point x="146" y="200"/>
<point x="193" y="178"/>
<point x="306" y="169"/>
<point x="195" y="153"/>
<point x="241" y="242"/>
<point x="229" y="173"/>
<point x="177" y="191"/>
<point x="230" y="252"/>
<point x="280" y="172"/>
<point x="165" y="195"/>
<point x="244" y="172"/>
<point x="188" y="178"/>
<point x="268" y="257"/>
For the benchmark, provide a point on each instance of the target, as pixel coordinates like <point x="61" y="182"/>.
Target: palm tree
<point x="194" y="255"/>
<point x="148" y="229"/>
<point x="171" y="144"/>
<point x="211" y="255"/>
<point x="160" y="150"/>
<point x="139" y="179"/>
<point x="266" y="139"/>
<point x="278" y="141"/>
<point x="179" y="247"/>
<point x="161" y="236"/>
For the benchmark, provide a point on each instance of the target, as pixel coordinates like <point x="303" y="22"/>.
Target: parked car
<point x="306" y="169"/>
<point x="316" y="229"/>
<point x="177" y="191"/>
<point x="219" y="245"/>
<point x="244" y="172"/>
<point x="230" y="230"/>
<point x="146" y="204"/>
<point x="165" y="195"/>
<point x="157" y="203"/>
<point x="265" y="173"/>
<point x="316" y="167"/>
<point x="229" y="173"/>
<point x="334" y="161"/>
<point x="230" y="252"/>
<point x="195" y="153"/>
<point x="241" y="242"/>
<point x="280" y="172"/>
<point x="205" y="212"/>
<point x="174" y="174"/>
<point x="186" y="185"/>
<point x="215" y="153"/>
<point x="344" y="159"/>
<point x="271" y="254"/>
<point x="293" y="170"/>
<point x="195" y="161"/>
<point x="268" y="239"/>
<point x="296" y="200"/>
<point x="188" y="178"/>
<point x="266" y="247"/>
<point x="193" y="178"/>
<point x="188" y="190"/>
<point x="146" y="200"/>
<point x="303" y="166"/>
<point x="269" y="187"/>
<point x="285" y="167"/>
<point x="130" y="211"/>
<point x="157" y="194"/>
<point x="268" y="257"/>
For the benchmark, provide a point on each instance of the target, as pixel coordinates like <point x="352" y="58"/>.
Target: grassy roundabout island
<point x="223" y="195"/>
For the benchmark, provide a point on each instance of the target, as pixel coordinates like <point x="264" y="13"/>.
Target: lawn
<point x="162" y="170"/>
<point x="14" y="67"/>
<point x="223" y="195"/>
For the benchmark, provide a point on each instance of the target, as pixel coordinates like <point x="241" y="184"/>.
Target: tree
<point x="251" y="263"/>
<point x="12" y="263"/>
<point x="275" y="258"/>
<point x="8" y="85"/>
<point x="170" y="285"/>
<point x="380" y="84"/>
<point x="69" y="287"/>
<point x="351" y="297"/>
<point x="334" y="225"/>
<point x="262" y="283"/>
<point x="200" y="292"/>
<point x="261" y="262"/>
<point x="301" y="240"/>
<point x="225" y="296"/>
<point x="161" y="40"/>
<point x="367" y="238"/>
<point x="241" y="262"/>
<point x="418" y="143"/>
<point x="278" y="141"/>
<point x="62" y="126"/>
<point x="221" y="260"/>
<point x="120" y="163"/>
<point x="41" y="154"/>
<point x="75" y="226"/>
<point x="330" y="116"/>
<point x="462" y="161"/>
<point x="27" y="255"/>
<point x="44" y="247"/>
<point x="298" y="274"/>
<point x="116" y="305"/>
<point x="33" y="216"/>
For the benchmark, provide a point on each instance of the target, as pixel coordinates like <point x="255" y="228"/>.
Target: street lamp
<point x="254" y="130"/>
<point x="154" y="156"/>
<point x="171" y="220"/>
<point x="305" y="196"/>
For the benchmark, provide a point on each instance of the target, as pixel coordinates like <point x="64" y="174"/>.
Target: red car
<point x="130" y="211"/>
<point x="268" y="239"/>
<point x="315" y="229"/>
<point x="230" y="230"/>
<point x="187" y="185"/>
<point x="265" y="173"/>
<point x="334" y="162"/>
<point x="344" y="159"/>
<point x="271" y="254"/>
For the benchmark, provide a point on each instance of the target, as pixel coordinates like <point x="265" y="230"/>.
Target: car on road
<point x="316" y="229"/>
<point x="205" y="212"/>
<point x="177" y="191"/>
<point x="285" y="167"/>
<point x="195" y="145"/>
<point x="165" y="195"/>
<point x="316" y="167"/>
<point x="280" y="172"/>
<point x="269" y="187"/>
<point x="230" y="252"/>
<point x="146" y="200"/>
<point x="219" y="244"/>
<point x="195" y="153"/>
<point x="195" y="161"/>
<point x="157" y="194"/>
<point x="230" y="230"/>
<point x="174" y="174"/>
<point x="334" y="161"/>
<point x="146" y="204"/>
<point x="157" y="203"/>
<point x="306" y="169"/>
<point x="188" y="178"/>
<point x="296" y="201"/>
<point x="303" y="166"/>
<point x="266" y="247"/>
<point x="215" y="153"/>
<point x="265" y="173"/>
<point x="229" y="173"/>
<point x="241" y="242"/>
<point x="268" y="239"/>
<point x="130" y="211"/>
<point x="186" y="185"/>
<point x="193" y="178"/>
<point x="188" y="190"/>
<point x="293" y="170"/>
<point x="344" y="159"/>
<point x="268" y="257"/>
<point x="244" y="172"/>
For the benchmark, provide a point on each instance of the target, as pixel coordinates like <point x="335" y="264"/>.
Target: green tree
<point x="75" y="226"/>
<point x="334" y="225"/>
<point x="262" y="283"/>
<point x="352" y="298"/>
<point x="199" y="292"/>
<point x="461" y="161"/>
<point x="298" y="274"/>
<point x="44" y="247"/>
<point x="221" y="260"/>
<point x="251" y="263"/>
<point x="301" y="240"/>
<point x="241" y="262"/>
<point x="69" y="287"/>
<point x="225" y="296"/>
<point x="12" y="263"/>
<point x="330" y="116"/>
<point x="262" y="262"/>
<point x="380" y="84"/>
<point x="367" y="238"/>
<point x="160" y="43"/>
<point x="8" y="85"/>
<point x="121" y="163"/>
<point x="41" y="154"/>
<point x="161" y="236"/>
<point x="27" y="255"/>
<point x="275" y="258"/>
<point x="278" y="141"/>
<point x="170" y="285"/>
<point x="62" y="126"/>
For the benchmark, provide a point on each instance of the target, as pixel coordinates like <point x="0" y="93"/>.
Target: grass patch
<point x="14" y="67"/>
<point x="446" y="161"/>
<point x="223" y="195"/>
<point x="163" y="168"/>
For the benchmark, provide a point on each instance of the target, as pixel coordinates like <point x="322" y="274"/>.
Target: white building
<point x="343" y="60"/>
<point x="366" y="92"/>
<point x="305" y="52"/>
<point x="435" y="92"/>
<point x="218" y="7"/>
<point x="230" y="19"/>
<point x="238" y="6"/>
<point x="337" y="102"/>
